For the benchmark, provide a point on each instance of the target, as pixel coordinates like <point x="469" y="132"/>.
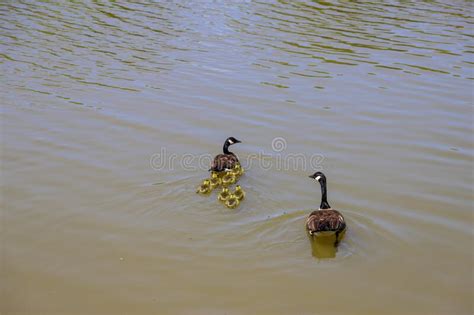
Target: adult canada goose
<point x="227" y="160"/>
<point x="325" y="219"/>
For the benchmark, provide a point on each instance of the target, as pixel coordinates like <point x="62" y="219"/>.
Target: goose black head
<point x="231" y="141"/>
<point x="228" y="142"/>
<point x="319" y="176"/>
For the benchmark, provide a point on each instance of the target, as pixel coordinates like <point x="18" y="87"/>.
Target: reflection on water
<point x="381" y="91"/>
<point x="322" y="250"/>
<point x="324" y="245"/>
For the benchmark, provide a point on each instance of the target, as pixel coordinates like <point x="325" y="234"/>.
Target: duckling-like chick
<point x="205" y="187"/>
<point x="232" y="202"/>
<point x="228" y="179"/>
<point x="215" y="180"/>
<point x="326" y="219"/>
<point x="237" y="170"/>
<point x="224" y="194"/>
<point x="239" y="193"/>
<point x="227" y="160"/>
<point x="218" y="174"/>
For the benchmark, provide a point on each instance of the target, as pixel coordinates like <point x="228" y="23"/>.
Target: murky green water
<point x="103" y="102"/>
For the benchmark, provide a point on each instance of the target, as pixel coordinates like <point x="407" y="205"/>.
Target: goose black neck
<point x="226" y="148"/>
<point x="324" y="196"/>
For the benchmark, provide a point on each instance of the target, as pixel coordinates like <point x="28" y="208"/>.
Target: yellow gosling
<point x="224" y="194"/>
<point x="215" y="180"/>
<point x="237" y="170"/>
<point x="239" y="193"/>
<point x="232" y="202"/>
<point x="204" y="188"/>
<point x="228" y="179"/>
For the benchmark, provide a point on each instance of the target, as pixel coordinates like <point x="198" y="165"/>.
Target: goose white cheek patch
<point x="318" y="177"/>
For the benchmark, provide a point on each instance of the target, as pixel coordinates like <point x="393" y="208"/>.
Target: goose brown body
<point x="327" y="220"/>
<point x="227" y="160"/>
<point x="224" y="161"/>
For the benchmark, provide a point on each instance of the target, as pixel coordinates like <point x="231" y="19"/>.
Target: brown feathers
<point x="224" y="161"/>
<point x="325" y="221"/>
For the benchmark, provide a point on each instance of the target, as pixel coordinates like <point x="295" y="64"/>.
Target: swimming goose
<point x="227" y="160"/>
<point x="325" y="219"/>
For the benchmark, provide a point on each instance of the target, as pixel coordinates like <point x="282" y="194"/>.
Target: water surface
<point x="380" y="92"/>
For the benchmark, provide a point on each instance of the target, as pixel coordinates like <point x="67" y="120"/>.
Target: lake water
<point x="110" y="111"/>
